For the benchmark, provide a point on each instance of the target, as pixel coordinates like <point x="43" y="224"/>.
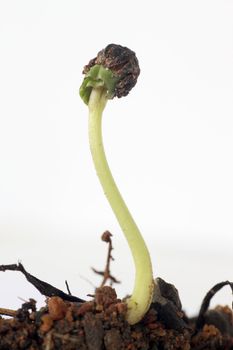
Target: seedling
<point x="113" y="73"/>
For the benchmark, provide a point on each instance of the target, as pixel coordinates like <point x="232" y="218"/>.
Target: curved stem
<point x="141" y="297"/>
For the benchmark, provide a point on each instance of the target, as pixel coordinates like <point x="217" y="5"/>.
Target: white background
<point x="169" y="144"/>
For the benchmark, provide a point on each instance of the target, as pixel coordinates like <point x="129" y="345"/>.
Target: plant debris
<point x="106" y="237"/>
<point x="203" y="314"/>
<point x="43" y="287"/>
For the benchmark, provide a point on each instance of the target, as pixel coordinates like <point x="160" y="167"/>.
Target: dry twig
<point x="8" y="312"/>
<point x="106" y="237"/>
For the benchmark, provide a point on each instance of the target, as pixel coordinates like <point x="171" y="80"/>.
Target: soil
<point x="100" y="324"/>
<point x="67" y="322"/>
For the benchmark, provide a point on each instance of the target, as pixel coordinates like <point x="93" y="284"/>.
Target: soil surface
<point x="100" y="324"/>
<point x="67" y="322"/>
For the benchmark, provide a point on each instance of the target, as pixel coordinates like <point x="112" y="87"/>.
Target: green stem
<point x="141" y="297"/>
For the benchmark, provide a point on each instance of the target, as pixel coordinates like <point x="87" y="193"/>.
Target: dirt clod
<point x="112" y="339"/>
<point x="57" y="308"/>
<point x="94" y="333"/>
